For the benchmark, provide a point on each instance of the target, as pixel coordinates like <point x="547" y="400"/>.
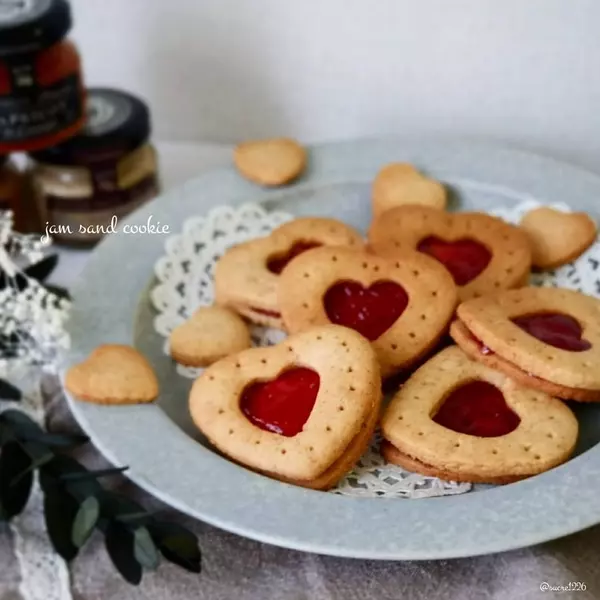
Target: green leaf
<point x="6" y="434"/>
<point x="119" y="545"/>
<point x="9" y="391"/>
<point x="13" y="498"/>
<point x="192" y="565"/>
<point x="61" y="465"/>
<point x="59" y="292"/>
<point x="117" y="506"/>
<point x="39" y="456"/>
<point x="82" y="476"/>
<point x="138" y="518"/>
<point x="42" y="269"/>
<point x="144" y="549"/>
<point x="177" y="545"/>
<point x="20" y="422"/>
<point x="60" y="511"/>
<point x="85" y="521"/>
<point x="55" y="440"/>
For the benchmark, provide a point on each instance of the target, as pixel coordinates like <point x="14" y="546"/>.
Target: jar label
<point x="84" y="219"/>
<point x="31" y="111"/>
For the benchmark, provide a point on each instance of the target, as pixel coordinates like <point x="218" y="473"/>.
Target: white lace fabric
<point x="185" y="282"/>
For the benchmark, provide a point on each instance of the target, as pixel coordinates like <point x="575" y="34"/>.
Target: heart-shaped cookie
<point x="113" y="374"/>
<point x="556" y="237"/>
<point x="212" y="333"/>
<point x="270" y="162"/>
<point x="399" y="184"/>
<point x="483" y="254"/>
<point x="247" y="275"/>
<point x="302" y="411"/>
<point x="545" y="338"/>
<point x="459" y="420"/>
<point x="403" y="306"/>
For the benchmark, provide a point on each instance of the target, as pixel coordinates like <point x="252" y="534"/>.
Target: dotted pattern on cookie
<point x="489" y="320"/>
<point x="544" y="438"/>
<point x="402" y="229"/>
<point x="243" y="280"/>
<point x="431" y="293"/>
<point x="328" y="432"/>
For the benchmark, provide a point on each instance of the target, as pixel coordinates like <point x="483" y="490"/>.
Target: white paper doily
<point x="185" y="283"/>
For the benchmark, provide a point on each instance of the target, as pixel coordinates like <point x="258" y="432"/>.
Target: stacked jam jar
<point x="89" y="156"/>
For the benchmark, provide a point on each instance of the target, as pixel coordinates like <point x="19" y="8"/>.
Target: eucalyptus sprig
<point x="76" y="504"/>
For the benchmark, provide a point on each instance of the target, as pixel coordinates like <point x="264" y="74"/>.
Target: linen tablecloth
<point x="238" y="569"/>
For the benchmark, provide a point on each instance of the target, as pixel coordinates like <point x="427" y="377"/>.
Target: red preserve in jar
<point x="41" y="92"/>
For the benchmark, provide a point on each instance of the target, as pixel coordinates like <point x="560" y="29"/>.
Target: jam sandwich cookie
<point x="459" y="420"/>
<point x="212" y="333"/>
<point x="398" y="184"/>
<point x="301" y="412"/>
<point x="113" y="374"/>
<point x="247" y="276"/>
<point x="402" y="306"/>
<point x="270" y="162"/>
<point x="556" y="237"/>
<point x="483" y="253"/>
<point x="545" y="338"/>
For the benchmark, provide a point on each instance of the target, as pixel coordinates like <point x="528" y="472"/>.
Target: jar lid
<point x="117" y="123"/>
<point x="30" y="25"/>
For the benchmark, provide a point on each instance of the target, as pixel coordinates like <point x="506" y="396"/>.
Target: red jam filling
<point x="370" y="311"/>
<point x="477" y="408"/>
<point x="560" y="331"/>
<point x="465" y="259"/>
<point x="277" y="263"/>
<point x="283" y="405"/>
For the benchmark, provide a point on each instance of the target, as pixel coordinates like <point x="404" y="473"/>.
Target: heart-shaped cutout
<point x="277" y="263"/>
<point x="477" y="408"/>
<point x="555" y="329"/>
<point x="465" y="258"/>
<point x="483" y="253"/>
<point x="113" y="374"/>
<point x="247" y="276"/>
<point x="283" y="405"/>
<point x="556" y="237"/>
<point x="370" y="311"/>
<point x="459" y="420"/>
<point x="302" y="411"/>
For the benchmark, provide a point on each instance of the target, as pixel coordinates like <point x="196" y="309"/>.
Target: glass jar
<point x="41" y="92"/>
<point x="83" y="187"/>
<point x="11" y="192"/>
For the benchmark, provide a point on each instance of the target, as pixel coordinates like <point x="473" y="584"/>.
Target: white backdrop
<point x="525" y="72"/>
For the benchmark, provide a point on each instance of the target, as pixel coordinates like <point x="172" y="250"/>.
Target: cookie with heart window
<point x="483" y="253"/>
<point x="402" y="306"/>
<point x="247" y="275"/>
<point x="459" y="420"/>
<point x="545" y="338"/>
<point x="302" y="412"/>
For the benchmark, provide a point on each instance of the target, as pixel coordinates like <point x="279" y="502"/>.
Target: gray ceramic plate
<point x="169" y="460"/>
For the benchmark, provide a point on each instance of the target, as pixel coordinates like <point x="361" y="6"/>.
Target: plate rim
<point x="328" y="164"/>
